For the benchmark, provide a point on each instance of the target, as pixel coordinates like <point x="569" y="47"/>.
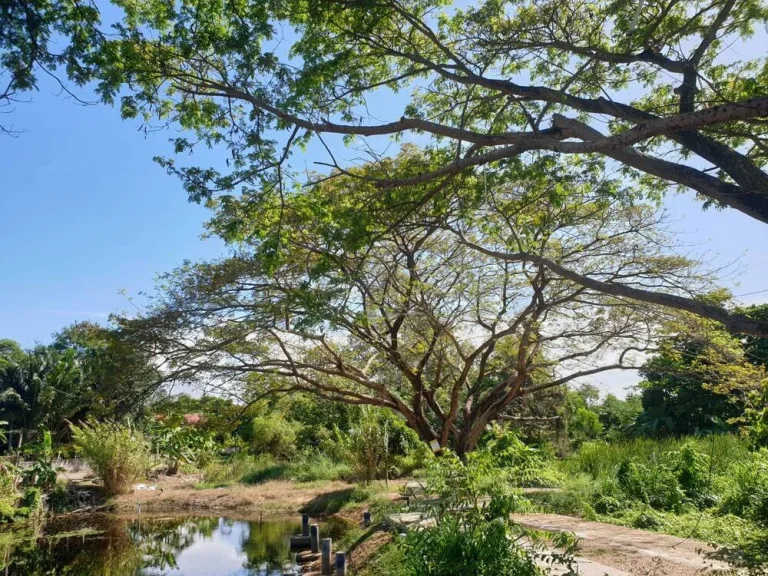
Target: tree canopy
<point x="699" y="381"/>
<point x="649" y="96"/>
<point x="655" y="95"/>
<point x="40" y="38"/>
<point x="423" y="317"/>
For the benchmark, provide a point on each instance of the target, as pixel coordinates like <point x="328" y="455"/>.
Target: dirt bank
<point x="179" y="494"/>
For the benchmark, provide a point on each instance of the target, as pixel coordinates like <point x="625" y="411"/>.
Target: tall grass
<point x="316" y="466"/>
<point x="118" y="455"/>
<point x="306" y="467"/>
<point x="601" y="459"/>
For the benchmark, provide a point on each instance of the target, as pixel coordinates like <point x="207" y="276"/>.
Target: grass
<point x="590" y="480"/>
<point x="242" y="469"/>
<point x="601" y="459"/>
<point x="388" y="560"/>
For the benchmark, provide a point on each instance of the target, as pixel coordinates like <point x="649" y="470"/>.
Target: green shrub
<point x="59" y="499"/>
<point x="40" y="474"/>
<point x="694" y="473"/>
<point x="273" y="435"/>
<point x="646" y="521"/>
<point x="472" y="538"/>
<point x="657" y="486"/>
<point x="241" y="468"/>
<point x="259" y="475"/>
<point x="366" y="446"/>
<point x="747" y="491"/>
<point x="7" y="510"/>
<point x="117" y="454"/>
<point x="522" y="463"/>
<point x="181" y="445"/>
<point x="607" y="504"/>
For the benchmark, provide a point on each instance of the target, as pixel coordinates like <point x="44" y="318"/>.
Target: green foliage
<point x="271" y="434"/>
<point x="587" y="418"/>
<point x="181" y="444"/>
<point x="617" y="415"/>
<point x="473" y="532"/>
<point x="235" y="468"/>
<point x="657" y="486"/>
<point x="754" y="421"/>
<point x="602" y="459"/>
<point x="41" y="390"/>
<point x="695" y="475"/>
<point x="307" y="466"/>
<point x="747" y="489"/>
<point x="688" y="386"/>
<point x="88" y="370"/>
<point x="119" y="374"/>
<point x="312" y="466"/>
<point x="522" y="464"/>
<point x="118" y="454"/>
<point x="15" y="505"/>
<point x="37" y="37"/>
<point x="584" y="425"/>
<point x="221" y="417"/>
<point x="367" y="446"/>
<point x="40" y="475"/>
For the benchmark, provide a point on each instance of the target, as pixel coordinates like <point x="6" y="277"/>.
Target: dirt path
<point x="631" y="551"/>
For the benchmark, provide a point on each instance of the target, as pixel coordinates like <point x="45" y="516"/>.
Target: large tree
<point x="651" y="91"/>
<point x="40" y="388"/>
<point x="646" y="90"/>
<point x="120" y="378"/>
<point x="700" y="379"/>
<point x="324" y="296"/>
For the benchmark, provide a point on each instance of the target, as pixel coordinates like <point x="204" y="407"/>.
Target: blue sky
<point x="85" y="213"/>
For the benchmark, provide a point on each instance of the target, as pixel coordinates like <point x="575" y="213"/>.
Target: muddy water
<point x="191" y="546"/>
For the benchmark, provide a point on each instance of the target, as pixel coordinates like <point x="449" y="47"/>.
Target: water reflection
<point x="191" y="546"/>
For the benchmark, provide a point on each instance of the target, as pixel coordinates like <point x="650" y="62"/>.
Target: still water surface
<point x="189" y="546"/>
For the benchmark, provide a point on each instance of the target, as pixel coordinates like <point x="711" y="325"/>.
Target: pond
<point x="190" y="546"/>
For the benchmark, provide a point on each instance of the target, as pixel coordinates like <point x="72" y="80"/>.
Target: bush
<point x="522" y="463"/>
<point x="181" y="444"/>
<point x="657" y="487"/>
<point x="646" y="521"/>
<point x="273" y="435"/>
<point x="601" y="459"/>
<point x="607" y="504"/>
<point x="472" y="538"/>
<point x="367" y="446"/>
<point x="747" y="490"/>
<point x="694" y="473"/>
<point x="118" y="455"/>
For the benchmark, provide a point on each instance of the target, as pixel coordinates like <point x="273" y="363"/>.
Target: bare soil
<point x="177" y="493"/>
<point x="635" y="552"/>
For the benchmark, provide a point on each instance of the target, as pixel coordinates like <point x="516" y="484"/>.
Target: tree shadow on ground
<point x="751" y="554"/>
<point x="328" y="503"/>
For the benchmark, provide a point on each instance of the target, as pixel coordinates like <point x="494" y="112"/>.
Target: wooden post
<point x="366" y="518"/>
<point x="314" y="538"/>
<point x="341" y="564"/>
<point x="325" y="557"/>
<point x="305" y="524"/>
